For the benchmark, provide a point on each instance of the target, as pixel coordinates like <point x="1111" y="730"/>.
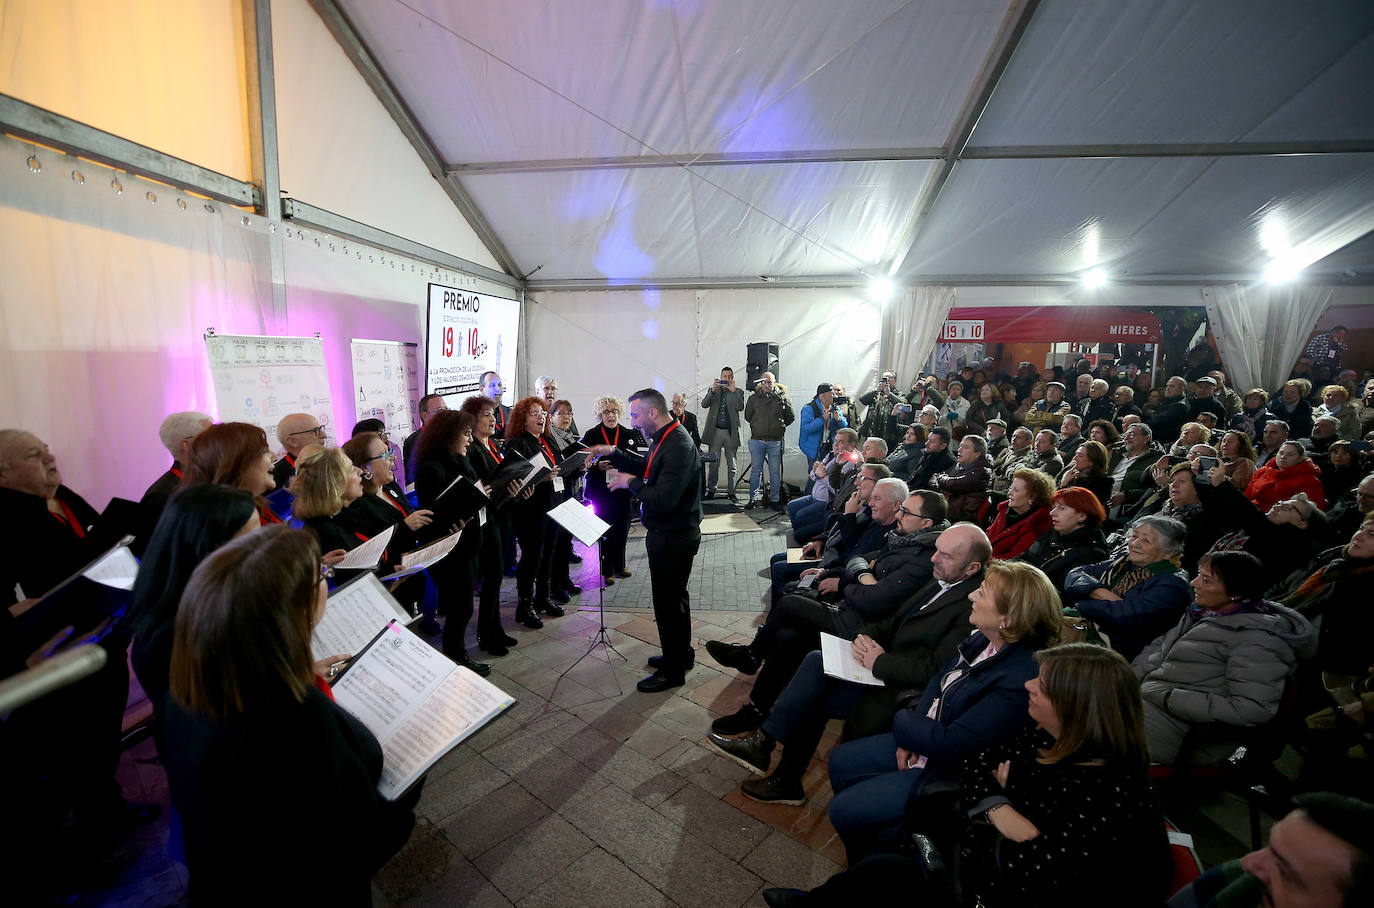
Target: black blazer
<point x="628" y="440"/>
<point x="286" y="798"/>
<point x="524" y="446"/>
<point x="483" y="463"/>
<point x="152" y="504"/>
<point x="432" y="476"/>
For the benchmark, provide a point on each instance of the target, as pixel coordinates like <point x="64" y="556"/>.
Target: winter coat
<point x="1042" y="416"/>
<point x="1225" y="668"/>
<point x="1010" y="541"/>
<point x="1271" y="485"/>
<point x="1093" y="408"/>
<point x="1168" y="420"/>
<point x="904" y="460"/>
<point x="1251" y="422"/>
<point x="1138" y="482"/>
<point x="965" y="488"/>
<point x="1056" y="555"/>
<point x="812" y="426"/>
<point x="1049" y="463"/>
<point x="733" y="402"/>
<point x="1144" y="611"/>
<point x="1007" y="462"/>
<point x="1348" y="417"/>
<point x="901" y="568"/>
<point x="953" y="410"/>
<point x="1298" y="417"/>
<point x="976" y="419"/>
<point x="769" y="415"/>
<point x="931" y="464"/>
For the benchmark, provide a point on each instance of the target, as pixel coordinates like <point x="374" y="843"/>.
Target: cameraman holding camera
<point x="887" y="407"/>
<point x="723" y="403"/>
<point x="819" y="422"/>
<point x="768" y="413"/>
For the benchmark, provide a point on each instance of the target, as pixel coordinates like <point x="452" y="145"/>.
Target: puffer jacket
<point x="1010" y="541"/>
<point x="901" y="567"/>
<point x="1225" y="668"/>
<point x="965" y="488"/>
<point x="1271" y="485"/>
<point x="1044" y="415"/>
<point x="1137" y="482"/>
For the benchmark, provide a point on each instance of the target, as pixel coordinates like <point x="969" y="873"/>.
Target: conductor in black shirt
<point x="665" y="481"/>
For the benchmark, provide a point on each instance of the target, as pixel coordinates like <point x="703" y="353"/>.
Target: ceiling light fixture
<point x="881" y="289"/>
<point x="1095" y="278"/>
<point x="1282" y="270"/>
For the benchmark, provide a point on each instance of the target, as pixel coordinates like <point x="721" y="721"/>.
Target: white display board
<point x="386" y="384"/>
<point x="467" y="334"/>
<point x="259" y="380"/>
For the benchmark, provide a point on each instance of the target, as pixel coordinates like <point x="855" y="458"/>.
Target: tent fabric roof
<point x="644" y="140"/>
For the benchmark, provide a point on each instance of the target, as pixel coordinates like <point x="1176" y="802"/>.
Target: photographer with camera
<point x="723" y="403"/>
<point x="887" y="408"/>
<point x="819" y="422"/>
<point x="769" y="413"/>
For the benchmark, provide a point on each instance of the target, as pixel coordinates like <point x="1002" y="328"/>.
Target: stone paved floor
<point x="588" y="792"/>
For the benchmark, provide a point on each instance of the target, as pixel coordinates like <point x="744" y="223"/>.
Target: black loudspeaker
<point x="763" y="357"/>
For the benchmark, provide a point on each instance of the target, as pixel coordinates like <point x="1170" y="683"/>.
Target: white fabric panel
<point x="678" y="76"/>
<point x="911" y="324"/>
<point x="341" y="151"/>
<point x="1182" y="71"/>
<point x="1261" y="330"/>
<point x="104" y="299"/>
<point x="163" y="73"/>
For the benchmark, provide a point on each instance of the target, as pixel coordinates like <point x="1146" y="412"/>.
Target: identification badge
<point x="481" y="517"/>
<point x="558" y="483"/>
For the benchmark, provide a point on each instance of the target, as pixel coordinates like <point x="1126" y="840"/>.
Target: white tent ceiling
<point x="629" y="141"/>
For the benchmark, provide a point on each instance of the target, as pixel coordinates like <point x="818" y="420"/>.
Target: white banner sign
<point x="468" y="334"/>
<point x="962" y="330"/>
<point x="386" y="384"/>
<point x="259" y="380"/>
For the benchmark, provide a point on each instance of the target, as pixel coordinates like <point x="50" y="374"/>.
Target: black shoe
<point x="548" y="608"/>
<point x="491" y="647"/>
<point x="559" y="595"/>
<point x="574" y="558"/>
<point x="431" y="628"/>
<point x="733" y="497"/>
<point x="733" y="655"/>
<point x="657" y="661"/>
<point x="786" y="898"/>
<point x="660" y="681"/>
<point x="750" y="505"/>
<point x="480" y="668"/>
<point x="774" y="789"/>
<point x="525" y="614"/>
<point x="622" y="574"/>
<point x="777" y="506"/>
<point x="753" y="751"/>
<point x="710" y="493"/>
<point x="748" y="718"/>
<point x="572" y="589"/>
<point x="506" y="639"/>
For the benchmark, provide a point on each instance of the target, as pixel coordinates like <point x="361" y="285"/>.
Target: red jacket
<point x="1010" y="541"/>
<point x="1271" y="485"/>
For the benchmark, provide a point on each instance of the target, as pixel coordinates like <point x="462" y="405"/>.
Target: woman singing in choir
<point x="612" y="506"/>
<point x="525" y="439"/>
<point x="484" y="456"/>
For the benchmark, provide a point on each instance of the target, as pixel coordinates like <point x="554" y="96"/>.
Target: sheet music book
<point x="580" y="520"/>
<point x="422" y="558"/>
<point x="794" y="556"/>
<point x="839" y="662"/>
<point x="369" y="553"/>
<point x="83" y="600"/>
<point x="353" y="615"/>
<point x="462" y="499"/>
<point x="573" y="464"/>
<point x="523" y="472"/>
<point x="416" y="701"/>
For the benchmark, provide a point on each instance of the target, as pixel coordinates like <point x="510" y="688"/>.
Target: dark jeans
<point x="791" y="630"/>
<point x="811" y="699"/>
<point x="670" y="567"/>
<point x="881" y="873"/>
<point x="781" y="573"/>
<point x="871" y="794"/>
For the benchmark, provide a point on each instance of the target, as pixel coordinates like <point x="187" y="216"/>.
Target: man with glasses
<point x="546" y="386"/>
<point x="295" y="432"/>
<point x="429" y="405"/>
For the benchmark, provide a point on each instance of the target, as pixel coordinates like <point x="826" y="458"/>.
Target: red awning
<point x="1050" y="324"/>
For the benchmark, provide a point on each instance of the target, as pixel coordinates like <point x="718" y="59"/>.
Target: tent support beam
<point x="309" y="216"/>
<point x="261" y="87"/>
<point x="362" y="59"/>
<point x="891" y="155"/>
<point x="34" y="124"/>
<point x="824" y="281"/>
<point x="1009" y="37"/>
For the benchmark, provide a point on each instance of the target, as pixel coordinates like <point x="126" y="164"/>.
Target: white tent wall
<point x="617" y="341"/>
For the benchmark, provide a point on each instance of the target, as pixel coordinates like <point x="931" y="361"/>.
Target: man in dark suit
<point x="905" y="652"/>
<point x="936" y="459"/>
<point x="429" y="405"/>
<point x="175" y="433"/>
<point x="490" y="385"/>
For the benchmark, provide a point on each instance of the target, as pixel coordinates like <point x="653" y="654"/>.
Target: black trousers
<point x="454" y="578"/>
<point x="670" y="567"/>
<point x="792" y="629"/>
<point x="491" y="568"/>
<point x="535" y="568"/>
<point x="615" y="508"/>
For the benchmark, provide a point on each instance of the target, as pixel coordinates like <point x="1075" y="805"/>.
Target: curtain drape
<point x="911" y="324"/>
<point x="1260" y="330"/>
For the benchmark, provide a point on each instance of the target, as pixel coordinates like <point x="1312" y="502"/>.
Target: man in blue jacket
<point x="819" y="422"/>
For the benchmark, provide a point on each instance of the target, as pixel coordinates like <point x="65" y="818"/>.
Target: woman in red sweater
<point x="1024" y="516"/>
<point x="1290" y="472"/>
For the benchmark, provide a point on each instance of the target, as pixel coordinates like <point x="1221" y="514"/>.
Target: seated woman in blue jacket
<point x="979" y="700"/>
<point x="1136" y="598"/>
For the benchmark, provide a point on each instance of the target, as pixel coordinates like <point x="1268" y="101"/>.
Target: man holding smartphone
<point x="723" y="403"/>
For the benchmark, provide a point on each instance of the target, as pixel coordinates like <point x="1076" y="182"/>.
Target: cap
<point x="1205" y="380"/>
<point x="997" y="421"/>
<point x="1055" y="384"/>
<point x="823" y="387"/>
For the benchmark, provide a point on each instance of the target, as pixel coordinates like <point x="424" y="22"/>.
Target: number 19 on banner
<point x="470" y="339"/>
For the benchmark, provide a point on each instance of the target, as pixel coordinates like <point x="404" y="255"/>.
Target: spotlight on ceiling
<point x="1281" y="270"/>
<point x="1095" y="278"/>
<point x="881" y="289"/>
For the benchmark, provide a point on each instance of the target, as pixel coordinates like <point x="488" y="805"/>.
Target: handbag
<point x="1077" y="629"/>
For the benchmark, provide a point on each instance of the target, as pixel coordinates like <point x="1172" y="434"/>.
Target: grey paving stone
<point x="507" y="811"/>
<point x="730" y="830"/>
<point x="596" y="879"/>
<point x="783" y="861"/>
<point x="452" y="791"/>
<point x="524" y="861"/>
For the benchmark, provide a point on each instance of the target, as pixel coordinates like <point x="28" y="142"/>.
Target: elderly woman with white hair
<point x="1135" y="598"/>
<point x="612" y="505"/>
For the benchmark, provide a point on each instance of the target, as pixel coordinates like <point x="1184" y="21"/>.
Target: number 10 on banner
<point x="470" y="347"/>
<point x="962" y="330"/>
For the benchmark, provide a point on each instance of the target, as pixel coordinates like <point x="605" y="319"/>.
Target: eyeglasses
<point x="318" y="431"/>
<point x="389" y="456"/>
<point x="901" y="509"/>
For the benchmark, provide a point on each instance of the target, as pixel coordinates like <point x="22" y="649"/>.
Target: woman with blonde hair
<point x="977" y="701"/>
<point x="612" y="505"/>
<point x="326" y="482"/>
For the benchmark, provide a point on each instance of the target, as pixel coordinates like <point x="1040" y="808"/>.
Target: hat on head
<point x="1205" y="380"/>
<point x="997" y="421"/>
<point x="1055" y="384"/>
<point x="823" y="387"/>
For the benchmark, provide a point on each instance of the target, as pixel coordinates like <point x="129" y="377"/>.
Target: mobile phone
<point x="1175" y="460"/>
<point x="1205" y="464"/>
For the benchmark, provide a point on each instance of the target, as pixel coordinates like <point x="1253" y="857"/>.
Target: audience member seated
<point x="1131" y="477"/>
<point x="1024" y="516"/>
<point x="955" y="406"/>
<point x="810" y="509"/>
<point x="1237" y="455"/>
<point x="1073" y="539"/>
<point x="1070" y="436"/>
<point x="820" y="420"/>
<point x="1183" y="504"/>
<point x="988" y="406"/>
<point x="1045" y="457"/>
<point x="980" y="701"/>
<point x="1172" y="412"/>
<point x="1205" y="400"/>
<point x="1190" y="436"/>
<point x="1283" y="538"/>
<point x="1326" y="431"/>
<point x="1063" y="813"/>
<point x="1050" y="412"/>
<point x="1223" y="666"/>
<point x="966" y="486"/>
<point x="1274" y="435"/>
<point x="1105" y="433"/>
<point x="1346" y="515"/>
<point x="175" y="433"/>
<point x="295" y="432"/>
<point x="1336" y="404"/>
<point x="1005" y="465"/>
<point x="1291" y="472"/>
<point x="868" y="590"/>
<point x="257" y="753"/>
<point x="1341" y="469"/>
<point x="1139" y="596"/>
<point x="234" y="454"/>
<point x="996" y="434"/>
<point x="903" y="652"/>
<point x="904" y="459"/>
<point x="1097" y="405"/>
<point x="1029" y="400"/>
<point x="197" y="521"/>
<point x="1291" y="406"/>
<point x="935" y="460"/>
<point x="1320" y="854"/>
<point x="1088" y="469"/>
<point x="1253" y="416"/>
<point x="1124" y="398"/>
